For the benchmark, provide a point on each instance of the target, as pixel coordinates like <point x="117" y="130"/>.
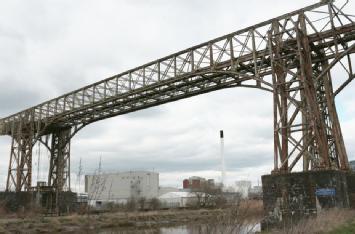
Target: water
<point x="186" y="229"/>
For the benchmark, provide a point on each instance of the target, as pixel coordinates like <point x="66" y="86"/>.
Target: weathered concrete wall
<point x="26" y="201"/>
<point x="351" y="188"/>
<point x="288" y="197"/>
<point x="13" y="202"/>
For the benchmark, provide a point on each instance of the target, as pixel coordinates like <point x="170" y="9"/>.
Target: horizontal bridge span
<point x="241" y="58"/>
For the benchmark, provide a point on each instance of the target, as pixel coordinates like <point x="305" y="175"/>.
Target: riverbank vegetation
<point x="332" y="221"/>
<point x="234" y="216"/>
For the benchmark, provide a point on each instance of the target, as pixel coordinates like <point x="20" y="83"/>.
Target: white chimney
<point x="223" y="168"/>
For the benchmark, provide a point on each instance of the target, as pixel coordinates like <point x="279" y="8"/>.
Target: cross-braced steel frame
<point x="20" y="166"/>
<point x="294" y="56"/>
<point x="59" y="166"/>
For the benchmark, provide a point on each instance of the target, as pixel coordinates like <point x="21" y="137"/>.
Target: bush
<point x="131" y="204"/>
<point x="154" y="204"/>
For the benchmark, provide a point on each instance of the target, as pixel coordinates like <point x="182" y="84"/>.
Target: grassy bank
<point x="347" y="228"/>
<point x="334" y="221"/>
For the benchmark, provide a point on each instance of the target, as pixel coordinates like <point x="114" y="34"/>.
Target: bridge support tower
<point x="20" y="166"/>
<point x="59" y="166"/>
<point x="306" y="125"/>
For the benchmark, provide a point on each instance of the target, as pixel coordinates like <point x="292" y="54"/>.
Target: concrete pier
<point x="289" y="197"/>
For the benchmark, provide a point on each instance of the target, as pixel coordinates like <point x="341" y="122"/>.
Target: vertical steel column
<point x="59" y="168"/>
<point x="281" y="131"/>
<point x="20" y="166"/>
<point x="323" y="86"/>
<point x="306" y="133"/>
<point x="316" y="119"/>
<point x="333" y="155"/>
<point x="336" y="146"/>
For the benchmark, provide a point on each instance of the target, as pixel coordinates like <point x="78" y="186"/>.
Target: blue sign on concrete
<point x="325" y="192"/>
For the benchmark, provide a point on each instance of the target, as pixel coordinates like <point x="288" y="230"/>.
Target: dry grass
<point x="3" y="212"/>
<point x="2" y="229"/>
<point x="324" y="222"/>
<point x="235" y="216"/>
<point x="239" y="218"/>
<point x="252" y="208"/>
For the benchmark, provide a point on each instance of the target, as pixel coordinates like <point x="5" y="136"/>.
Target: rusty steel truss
<point x="294" y="56"/>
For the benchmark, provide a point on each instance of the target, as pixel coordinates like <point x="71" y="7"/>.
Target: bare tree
<point x="98" y="183"/>
<point x="208" y="195"/>
<point x="234" y="219"/>
<point x="131" y="204"/>
<point x="142" y="202"/>
<point x="154" y="203"/>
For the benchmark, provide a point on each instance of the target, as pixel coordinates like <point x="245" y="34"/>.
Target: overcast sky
<point x="48" y="48"/>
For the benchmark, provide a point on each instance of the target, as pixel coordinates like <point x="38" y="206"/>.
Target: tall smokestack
<point x="223" y="169"/>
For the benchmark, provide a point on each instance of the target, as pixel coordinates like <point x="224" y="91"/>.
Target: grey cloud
<point x="186" y="160"/>
<point x="147" y="113"/>
<point x="16" y="97"/>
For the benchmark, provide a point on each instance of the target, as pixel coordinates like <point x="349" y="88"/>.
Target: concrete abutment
<point x="290" y="197"/>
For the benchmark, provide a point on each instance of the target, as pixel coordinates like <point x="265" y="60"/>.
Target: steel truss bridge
<point x="293" y="56"/>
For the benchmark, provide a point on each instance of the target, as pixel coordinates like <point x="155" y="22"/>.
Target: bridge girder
<point x="290" y="56"/>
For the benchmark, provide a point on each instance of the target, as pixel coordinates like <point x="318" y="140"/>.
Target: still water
<point x="187" y="229"/>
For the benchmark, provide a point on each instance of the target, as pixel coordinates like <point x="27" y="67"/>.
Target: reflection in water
<point x="187" y="229"/>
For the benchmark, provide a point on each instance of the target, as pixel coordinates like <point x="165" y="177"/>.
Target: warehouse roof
<point x="177" y="195"/>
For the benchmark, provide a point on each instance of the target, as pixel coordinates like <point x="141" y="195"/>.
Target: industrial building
<point x="177" y="199"/>
<point x="121" y="186"/>
<point x="164" y="190"/>
<point x="196" y="182"/>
